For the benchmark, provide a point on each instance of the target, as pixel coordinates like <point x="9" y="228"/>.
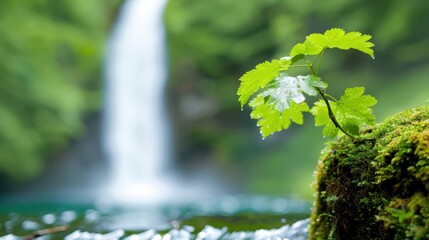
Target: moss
<point x="376" y="186"/>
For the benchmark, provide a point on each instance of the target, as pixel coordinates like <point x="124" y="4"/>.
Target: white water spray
<point x="135" y="126"/>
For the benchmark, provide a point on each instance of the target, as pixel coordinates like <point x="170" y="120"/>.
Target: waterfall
<point x="135" y="126"/>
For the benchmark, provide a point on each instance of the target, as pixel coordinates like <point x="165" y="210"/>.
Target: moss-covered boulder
<point x="376" y="186"/>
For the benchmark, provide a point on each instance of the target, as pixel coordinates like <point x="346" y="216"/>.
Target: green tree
<point x="50" y="55"/>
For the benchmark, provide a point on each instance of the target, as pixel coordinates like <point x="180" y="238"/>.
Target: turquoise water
<point x="233" y="213"/>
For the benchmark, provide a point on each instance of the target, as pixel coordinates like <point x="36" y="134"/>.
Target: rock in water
<point x="377" y="185"/>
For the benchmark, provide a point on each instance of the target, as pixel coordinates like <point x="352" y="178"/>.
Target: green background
<point x="51" y="55"/>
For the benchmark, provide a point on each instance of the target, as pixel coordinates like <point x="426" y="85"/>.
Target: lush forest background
<point x="50" y="77"/>
<point x="51" y="55"/>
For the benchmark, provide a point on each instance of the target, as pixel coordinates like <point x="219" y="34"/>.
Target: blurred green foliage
<point x="212" y="43"/>
<point x="50" y="55"/>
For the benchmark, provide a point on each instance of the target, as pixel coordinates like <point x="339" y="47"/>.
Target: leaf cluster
<point x="280" y="99"/>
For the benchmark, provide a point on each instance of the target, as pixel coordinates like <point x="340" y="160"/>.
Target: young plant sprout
<point x="278" y="98"/>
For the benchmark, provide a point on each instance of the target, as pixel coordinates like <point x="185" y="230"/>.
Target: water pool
<point x="229" y="217"/>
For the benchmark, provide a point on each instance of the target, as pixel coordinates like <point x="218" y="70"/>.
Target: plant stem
<point x="292" y="66"/>
<point x="310" y="66"/>
<point x="331" y="97"/>
<point x="325" y="98"/>
<point x="331" y="114"/>
<point x="320" y="60"/>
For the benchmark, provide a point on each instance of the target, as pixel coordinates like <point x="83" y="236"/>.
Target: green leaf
<point x="271" y="120"/>
<point x="259" y="77"/>
<point x="321" y="117"/>
<point x="298" y="49"/>
<point x="306" y="48"/>
<point x="286" y="89"/>
<point x="332" y="38"/>
<point x="280" y="97"/>
<point x="352" y="111"/>
<point x="337" y="38"/>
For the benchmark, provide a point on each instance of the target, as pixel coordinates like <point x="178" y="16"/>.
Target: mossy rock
<point x="376" y="186"/>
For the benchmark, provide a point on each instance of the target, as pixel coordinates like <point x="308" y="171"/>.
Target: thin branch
<point x="331" y="114"/>
<point x="46" y="231"/>
<point x="298" y="65"/>
<point x="320" y="60"/>
<point x="310" y="66"/>
<point x="331" y="97"/>
<point x="325" y="98"/>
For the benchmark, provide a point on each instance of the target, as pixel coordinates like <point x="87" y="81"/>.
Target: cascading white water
<point x="135" y="126"/>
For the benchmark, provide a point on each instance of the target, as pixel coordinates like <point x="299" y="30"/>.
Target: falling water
<point x="135" y="127"/>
